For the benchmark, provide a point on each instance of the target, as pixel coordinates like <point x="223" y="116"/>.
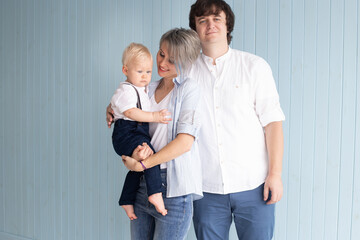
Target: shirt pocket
<point x="238" y="98"/>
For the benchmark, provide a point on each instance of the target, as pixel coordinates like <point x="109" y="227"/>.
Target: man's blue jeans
<point x="152" y="225"/>
<point x="254" y="220"/>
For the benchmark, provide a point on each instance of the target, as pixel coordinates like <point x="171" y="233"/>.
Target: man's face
<point x="211" y="28"/>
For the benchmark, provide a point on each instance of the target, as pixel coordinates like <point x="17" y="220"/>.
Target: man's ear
<point x="125" y="70"/>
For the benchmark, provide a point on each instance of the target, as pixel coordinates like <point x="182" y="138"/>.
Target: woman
<point x="175" y="143"/>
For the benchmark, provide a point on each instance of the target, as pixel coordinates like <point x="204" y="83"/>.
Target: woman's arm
<point x="188" y="125"/>
<point x="109" y="115"/>
<point x="180" y="145"/>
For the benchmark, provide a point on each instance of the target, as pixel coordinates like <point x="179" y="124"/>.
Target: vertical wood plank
<point x="308" y="130"/>
<point x="16" y="141"/>
<point x="2" y="119"/>
<point x="57" y="201"/>
<point x="321" y="118"/>
<point x="249" y="26"/>
<point x="239" y="28"/>
<point x="156" y="31"/>
<point x="87" y="123"/>
<point x="295" y="117"/>
<point x="39" y="126"/>
<point x="79" y="80"/>
<point x="21" y="69"/>
<point x="44" y="135"/>
<point x="95" y="96"/>
<point x="335" y="119"/>
<point x="261" y="28"/>
<point x="355" y="204"/>
<point x="30" y="144"/>
<point x="348" y="112"/>
<point x="166" y="23"/>
<point x="66" y="219"/>
<point x="284" y="92"/>
<point x="273" y="33"/>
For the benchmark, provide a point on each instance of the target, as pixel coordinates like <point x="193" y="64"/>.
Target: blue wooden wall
<point x="60" y="61"/>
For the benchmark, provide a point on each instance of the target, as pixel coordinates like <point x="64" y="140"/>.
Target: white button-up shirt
<point x="240" y="98"/>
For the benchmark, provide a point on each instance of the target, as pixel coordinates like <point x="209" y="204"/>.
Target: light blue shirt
<point x="184" y="172"/>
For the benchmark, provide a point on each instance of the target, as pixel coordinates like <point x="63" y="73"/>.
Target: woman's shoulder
<point x="189" y="84"/>
<point x="188" y="81"/>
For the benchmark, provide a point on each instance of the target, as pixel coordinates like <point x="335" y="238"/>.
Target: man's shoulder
<point x="246" y="56"/>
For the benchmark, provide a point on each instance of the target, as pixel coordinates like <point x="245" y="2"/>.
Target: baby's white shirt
<point x="125" y="98"/>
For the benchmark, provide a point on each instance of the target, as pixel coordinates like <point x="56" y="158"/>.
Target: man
<point x="241" y="143"/>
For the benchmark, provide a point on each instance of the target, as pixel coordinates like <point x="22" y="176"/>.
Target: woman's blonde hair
<point x="183" y="46"/>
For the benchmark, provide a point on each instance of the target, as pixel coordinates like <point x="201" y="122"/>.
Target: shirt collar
<point x="219" y="59"/>
<point x="180" y="78"/>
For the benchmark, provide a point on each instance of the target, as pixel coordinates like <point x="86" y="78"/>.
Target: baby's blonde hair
<point x="134" y="52"/>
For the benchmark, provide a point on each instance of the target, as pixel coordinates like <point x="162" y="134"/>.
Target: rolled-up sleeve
<point x="266" y="96"/>
<point x="189" y="121"/>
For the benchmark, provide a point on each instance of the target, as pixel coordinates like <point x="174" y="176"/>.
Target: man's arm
<point x="275" y="148"/>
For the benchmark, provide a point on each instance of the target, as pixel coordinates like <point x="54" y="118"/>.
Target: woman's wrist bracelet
<point x="142" y="165"/>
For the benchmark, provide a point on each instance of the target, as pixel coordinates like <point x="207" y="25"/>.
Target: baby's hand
<point x="162" y="116"/>
<point x="141" y="152"/>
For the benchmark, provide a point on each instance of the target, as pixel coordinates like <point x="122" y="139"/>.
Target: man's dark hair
<point x="212" y="7"/>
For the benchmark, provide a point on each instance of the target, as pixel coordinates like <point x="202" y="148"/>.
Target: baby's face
<point x="139" y="72"/>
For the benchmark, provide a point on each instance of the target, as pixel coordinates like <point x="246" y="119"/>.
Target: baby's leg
<point x="154" y="187"/>
<point x="129" y="209"/>
<point x="157" y="200"/>
<point x="128" y="194"/>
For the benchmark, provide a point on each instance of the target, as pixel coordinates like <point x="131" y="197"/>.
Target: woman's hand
<point x="142" y="152"/>
<point x="132" y="164"/>
<point x="109" y="115"/>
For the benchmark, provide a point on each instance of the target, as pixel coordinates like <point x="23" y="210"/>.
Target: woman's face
<point x="165" y="63"/>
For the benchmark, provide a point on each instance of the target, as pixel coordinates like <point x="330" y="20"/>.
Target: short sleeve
<point x="124" y="98"/>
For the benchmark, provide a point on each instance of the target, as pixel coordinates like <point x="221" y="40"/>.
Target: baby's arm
<point x="136" y="114"/>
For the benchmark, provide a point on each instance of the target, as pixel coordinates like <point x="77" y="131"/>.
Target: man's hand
<point x="142" y="152"/>
<point x="109" y="115"/>
<point x="274" y="185"/>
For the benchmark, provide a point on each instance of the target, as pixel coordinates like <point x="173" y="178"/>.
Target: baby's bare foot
<point x="157" y="200"/>
<point x="129" y="209"/>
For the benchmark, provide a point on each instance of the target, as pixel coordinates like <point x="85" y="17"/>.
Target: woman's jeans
<point x="152" y="225"/>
